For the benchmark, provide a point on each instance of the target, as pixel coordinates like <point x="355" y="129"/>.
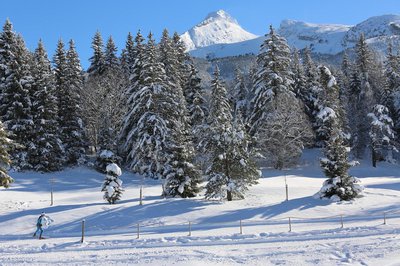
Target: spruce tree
<point x="182" y="177"/>
<point x="240" y="95"/>
<point x="48" y="154"/>
<point x="112" y="186"/>
<point x="5" y="161"/>
<point x="194" y="95"/>
<point x="313" y="94"/>
<point x="339" y="185"/>
<point x="382" y="134"/>
<point x="300" y="83"/>
<point x="169" y="57"/>
<point x="136" y="82"/>
<point x="144" y="126"/>
<point x="73" y="131"/>
<point x="97" y="61"/>
<point x="391" y="96"/>
<point x="128" y="55"/>
<point x="182" y="59"/>
<point x="111" y="61"/>
<point x="277" y="121"/>
<point x="15" y="90"/>
<point x="362" y="96"/>
<point x="232" y="169"/>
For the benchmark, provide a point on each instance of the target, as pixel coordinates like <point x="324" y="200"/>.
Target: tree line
<point x="149" y="110"/>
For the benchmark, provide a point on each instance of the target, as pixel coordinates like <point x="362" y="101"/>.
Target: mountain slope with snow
<point x="321" y="38"/>
<point x="217" y="28"/>
<point x="328" y="39"/>
<point x="386" y="25"/>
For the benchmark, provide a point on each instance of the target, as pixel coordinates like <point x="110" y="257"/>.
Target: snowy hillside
<point x="328" y="39"/>
<point x="316" y="237"/>
<point x="217" y="28"/>
<point x="386" y="25"/>
<point x="321" y="38"/>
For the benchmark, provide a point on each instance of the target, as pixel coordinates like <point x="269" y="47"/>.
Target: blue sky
<point x="79" y="19"/>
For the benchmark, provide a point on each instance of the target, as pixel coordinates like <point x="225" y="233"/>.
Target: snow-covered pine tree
<point x="361" y="97"/>
<point x="240" y="95"/>
<point x="136" y="82"/>
<point x="136" y="79"/>
<point x="339" y="185"/>
<point x="382" y="135"/>
<point x="48" y="153"/>
<point x="182" y="177"/>
<point x="73" y="131"/>
<point x="346" y="65"/>
<point x="61" y="87"/>
<point x="344" y="81"/>
<point x="103" y="97"/>
<point x="145" y="128"/>
<point x="232" y="169"/>
<point x="97" y="63"/>
<point x="112" y="186"/>
<point x="313" y="93"/>
<point x="60" y="70"/>
<point x="5" y="147"/>
<point x="195" y="98"/>
<point x="128" y="55"/>
<point x="111" y="61"/>
<point x="391" y="96"/>
<point x="169" y="57"/>
<point x="112" y="85"/>
<point x="183" y="59"/>
<point x="15" y="88"/>
<point x="300" y="83"/>
<point x="277" y="121"/>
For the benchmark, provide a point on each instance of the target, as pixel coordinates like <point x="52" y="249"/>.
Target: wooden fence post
<point x="83" y="230"/>
<point x="241" y="229"/>
<point x="287" y="190"/>
<point x="141" y="195"/>
<point x="190" y="228"/>
<point x="52" y="181"/>
<point x="290" y="225"/>
<point x="138" y="231"/>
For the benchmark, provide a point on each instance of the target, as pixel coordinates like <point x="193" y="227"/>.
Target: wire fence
<point x="241" y="226"/>
<point x="284" y="224"/>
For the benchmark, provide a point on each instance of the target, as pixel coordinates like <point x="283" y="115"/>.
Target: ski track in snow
<point x="111" y="237"/>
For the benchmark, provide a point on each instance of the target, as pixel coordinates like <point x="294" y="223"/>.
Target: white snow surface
<point x="217" y="28"/>
<point x="316" y="237"/>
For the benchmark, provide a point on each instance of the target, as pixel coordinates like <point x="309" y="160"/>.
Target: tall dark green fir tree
<point x="5" y="161"/>
<point x="48" y="154"/>
<point x="15" y="92"/>
<point x="339" y="185"/>
<point x="97" y="61"/>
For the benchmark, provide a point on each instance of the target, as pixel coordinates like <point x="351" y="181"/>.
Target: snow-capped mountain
<point x="217" y="28"/>
<point x="386" y="25"/>
<point x="321" y="38"/>
<point x="328" y="39"/>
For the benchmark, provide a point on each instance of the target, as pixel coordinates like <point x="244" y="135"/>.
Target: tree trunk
<point x="373" y="157"/>
<point x="229" y="195"/>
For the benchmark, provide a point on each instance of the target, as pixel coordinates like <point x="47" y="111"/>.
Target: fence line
<point x="190" y="226"/>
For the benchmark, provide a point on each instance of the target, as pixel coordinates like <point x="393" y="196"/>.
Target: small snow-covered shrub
<point x="112" y="186"/>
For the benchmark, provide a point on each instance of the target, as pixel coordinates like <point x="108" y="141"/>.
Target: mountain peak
<point x="217" y="28"/>
<point x="220" y="14"/>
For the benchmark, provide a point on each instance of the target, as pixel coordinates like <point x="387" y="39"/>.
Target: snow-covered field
<point x="316" y="238"/>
